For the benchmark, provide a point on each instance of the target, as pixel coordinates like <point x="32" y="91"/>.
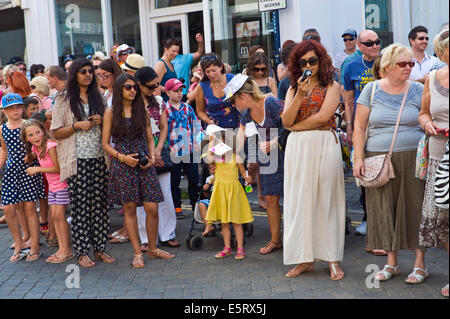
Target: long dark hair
<point x="210" y="59"/>
<point x="95" y="99"/>
<point x="139" y="115"/>
<point x="144" y="75"/>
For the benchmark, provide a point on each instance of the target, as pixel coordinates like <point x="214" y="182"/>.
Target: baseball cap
<point x="174" y="85"/>
<point x="234" y="85"/>
<point x="134" y="62"/>
<point x="351" y="32"/>
<point x="11" y="99"/>
<point x="15" y="59"/>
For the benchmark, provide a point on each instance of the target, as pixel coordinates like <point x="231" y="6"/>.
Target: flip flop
<point x="119" y="240"/>
<point x="30" y="256"/>
<point x="20" y="255"/>
<point x="54" y="259"/>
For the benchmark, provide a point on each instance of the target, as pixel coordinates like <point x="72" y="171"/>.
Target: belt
<point x="331" y="130"/>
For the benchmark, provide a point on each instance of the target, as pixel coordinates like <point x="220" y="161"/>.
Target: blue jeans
<point x="191" y="170"/>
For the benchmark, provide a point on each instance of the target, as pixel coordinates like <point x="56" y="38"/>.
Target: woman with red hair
<point x="19" y="84"/>
<point x="314" y="198"/>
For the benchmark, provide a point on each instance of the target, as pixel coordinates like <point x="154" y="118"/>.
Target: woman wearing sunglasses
<point x="149" y="84"/>
<point x="108" y="71"/>
<point x="132" y="178"/>
<point x="314" y="191"/>
<point x="76" y="125"/>
<point x="393" y="210"/>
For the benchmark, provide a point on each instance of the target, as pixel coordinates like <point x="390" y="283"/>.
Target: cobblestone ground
<point x="197" y="274"/>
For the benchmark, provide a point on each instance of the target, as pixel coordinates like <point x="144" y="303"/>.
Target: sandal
<point x="144" y="247"/>
<point x="270" y="247"/>
<point x="224" y="253"/>
<point x="334" y="274"/>
<point x="159" y="253"/>
<point x="172" y="243"/>
<point x="52" y="242"/>
<point x="119" y="239"/>
<point x="240" y="254"/>
<point x="113" y="235"/>
<point x="420" y="278"/>
<point x="292" y="272"/>
<point x="85" y="263"/>
<point x="444" y="291"/>
<point x="18" y="256"/>
<point x="387" y="274"/>
<point x="55" y="259"/>
<point x="33" y="256"/>
<point x="102" y="256"/>
<point x="138" y="262"/>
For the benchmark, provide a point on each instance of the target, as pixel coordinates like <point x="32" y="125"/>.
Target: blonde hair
<point x="250" y="87"/>
<point x="7" y="69"/>
<point x="441" y="43"/>
<point x="41" y="85"/>
<point x="99" y="56"/>
<point x="391" y="55"/>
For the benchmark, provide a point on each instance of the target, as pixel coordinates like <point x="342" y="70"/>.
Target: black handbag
<point x="168" y="164"/>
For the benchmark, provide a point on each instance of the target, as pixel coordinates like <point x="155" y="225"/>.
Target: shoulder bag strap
<point x="398" y="119"/>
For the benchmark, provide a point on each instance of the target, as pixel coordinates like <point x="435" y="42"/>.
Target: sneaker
<point x="179" y="213"/>
<point x="69" y="220"/>
<point x="361" y="229"/>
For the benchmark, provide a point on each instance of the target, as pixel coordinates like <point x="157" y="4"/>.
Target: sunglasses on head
<point x="423" y="38"/>
<point x="403" y="64"/>
<point x="152" y="86"/>
<point x="371" y="43"/>
<point x="84" y="71"/>
<point x="348" y="39"/>
<point x="311" y="61"/>
<point x="128" y="87"/>
<point x="260" y="69"/>
<point x="209" y="58"/>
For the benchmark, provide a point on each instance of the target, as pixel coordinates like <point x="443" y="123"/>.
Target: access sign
<point x="270" y="5"/>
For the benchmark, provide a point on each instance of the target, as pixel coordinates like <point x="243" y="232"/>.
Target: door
<point x="169" y="27"/>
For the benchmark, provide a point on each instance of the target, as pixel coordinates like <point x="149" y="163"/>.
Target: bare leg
<point x="226" y="234"/>
<point x="61" y="229"/>
<point x="43" y="211"/>
<point x="33" y="224"/>
<point x="131" y="225"/>
<point x="203" y="211"/>
<point x="22" y="217"/>
<point x="274" y="217"/>
<point x="13" y="225"/>
<point x="151" y="223"/>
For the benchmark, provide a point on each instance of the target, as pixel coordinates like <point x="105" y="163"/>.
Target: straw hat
<point x="133" y="63"/>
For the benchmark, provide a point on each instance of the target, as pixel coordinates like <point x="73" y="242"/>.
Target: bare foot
<point x="262" y="203"/>
<point x="299" y="269"/>
<point x="208" y="228"/>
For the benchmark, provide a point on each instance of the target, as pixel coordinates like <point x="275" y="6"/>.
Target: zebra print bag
<point x="441" y="182"/>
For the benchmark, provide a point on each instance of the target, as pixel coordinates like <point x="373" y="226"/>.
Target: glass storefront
<point x="126" y="27"/>
<point x="159" y="4"/>
<point x="378" y="19"/>
<point x="12" y="33"/>
<point x="79" y="27"/>
<point x="237" y="25"/>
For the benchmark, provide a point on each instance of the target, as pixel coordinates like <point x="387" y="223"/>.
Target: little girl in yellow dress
<point x="229" y="203"/>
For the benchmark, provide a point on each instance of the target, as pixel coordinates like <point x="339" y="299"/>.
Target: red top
<point x="311" y="105"/>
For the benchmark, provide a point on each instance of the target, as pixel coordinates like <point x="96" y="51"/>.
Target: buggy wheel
<point x="195" y="243"/>
<point x="248" y="229"/>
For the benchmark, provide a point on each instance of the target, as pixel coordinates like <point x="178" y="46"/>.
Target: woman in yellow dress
<point x="229" y="203"/>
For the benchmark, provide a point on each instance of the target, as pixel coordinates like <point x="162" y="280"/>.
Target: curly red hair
<point x="326" y="69"/>
<point x="19" y="84"/>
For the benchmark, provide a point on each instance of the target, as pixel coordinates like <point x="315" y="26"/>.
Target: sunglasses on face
<point x="348" y="39"/>
<point x="129" y="51"/>
<point x="128" y="87"/>
<point x="403" y="64"/>
<point x="152" y="87"/>
<point x="311" y="61"/>
<point x="104" y="76"/>
<point x="423" y="38"/>
<point x="371" y="43"/>
<point x="84" y="71"/>
<point x="260" y="69"/>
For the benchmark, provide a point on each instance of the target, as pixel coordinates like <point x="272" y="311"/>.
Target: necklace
<point x="216" y="86"/>
<point x="362" y="60"/>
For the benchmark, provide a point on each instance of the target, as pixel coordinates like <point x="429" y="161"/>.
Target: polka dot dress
<point x="17" y="185"/>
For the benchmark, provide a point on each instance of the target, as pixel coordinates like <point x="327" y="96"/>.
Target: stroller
<point x="346" y="165"/>
<point x="195" y="242"/>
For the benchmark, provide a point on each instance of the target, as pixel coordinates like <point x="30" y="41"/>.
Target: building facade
<point x="54" y="28"/>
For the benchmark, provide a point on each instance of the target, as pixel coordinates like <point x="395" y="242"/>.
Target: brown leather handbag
<point x="379" y="169"/>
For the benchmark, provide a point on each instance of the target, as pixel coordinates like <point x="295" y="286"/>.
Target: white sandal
<point x="443" y="289"/>
<point x="420" y="278"/>
<point x="386" y="274"/>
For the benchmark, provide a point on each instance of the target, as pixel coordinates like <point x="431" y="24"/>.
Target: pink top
<point x="54" y="183"/>
<point x="47" y="103"/>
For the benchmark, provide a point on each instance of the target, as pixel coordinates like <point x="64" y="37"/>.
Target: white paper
<point x="250" y="129"/>
<point x="155" y="128"/>
<point x="220" y="149"/>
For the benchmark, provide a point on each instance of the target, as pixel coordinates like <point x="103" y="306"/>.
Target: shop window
<point x="237" y="25"/>
<point x="126" y="27"/>
<point x="12" y="33"/>
<point x="378" y="20"/>
<point x="171" y="3"/>
<point x="79" y="27"/>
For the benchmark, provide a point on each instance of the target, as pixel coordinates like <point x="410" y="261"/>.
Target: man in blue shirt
<point x="183" y="63"/>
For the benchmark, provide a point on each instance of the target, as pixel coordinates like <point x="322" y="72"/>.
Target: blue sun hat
<point x="11" y="99"/>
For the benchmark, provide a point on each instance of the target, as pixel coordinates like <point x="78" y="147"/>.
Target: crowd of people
<point x="110" y="131"/>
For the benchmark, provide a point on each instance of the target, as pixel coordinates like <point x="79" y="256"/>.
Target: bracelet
<point x="359" y="157"/>
<point x="120" y="158"/>
<point x="116" y="155"/>
<point x="73" y="126"/>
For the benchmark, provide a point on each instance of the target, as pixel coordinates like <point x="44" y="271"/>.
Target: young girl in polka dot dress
<point x="17" y="186"/>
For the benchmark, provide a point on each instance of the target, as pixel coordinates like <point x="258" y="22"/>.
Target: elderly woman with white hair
<point x="41" y="91"/>
<point x="433" y="118"/>
<point x="394" y="209"/>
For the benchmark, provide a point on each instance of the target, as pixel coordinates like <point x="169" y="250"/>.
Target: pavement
<point x="198" y="275"/>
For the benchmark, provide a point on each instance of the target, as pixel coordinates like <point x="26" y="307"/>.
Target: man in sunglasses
<point x="349" y="38"/>
<point x="418" y="39"/>
<point x="357" y="74"/>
